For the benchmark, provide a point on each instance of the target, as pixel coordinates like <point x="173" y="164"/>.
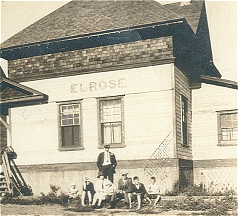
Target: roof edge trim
<point x="219" y="82"/>
<point x="165" y="23"/>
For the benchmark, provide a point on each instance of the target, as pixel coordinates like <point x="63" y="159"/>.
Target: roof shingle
<point x="83" y="17"/>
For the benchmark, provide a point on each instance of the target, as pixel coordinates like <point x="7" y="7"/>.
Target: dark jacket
<point x="125" y="187"/>
<point x="141" y="189"/>
<point x="101" y="160"/>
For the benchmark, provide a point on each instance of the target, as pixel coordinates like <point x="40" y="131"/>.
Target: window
<point x="70" y="125"/>
<point x="184" y="120"/>
<point x="111" y="124"/>
<point x="227" y="127"/>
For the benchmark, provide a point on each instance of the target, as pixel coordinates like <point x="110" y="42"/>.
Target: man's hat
<point x="86" y="178"/>
<point x="100" y="173"/>
<point x="72" y="184"/>
<point x="124" y="172"/>
<point x="106" y="146"/>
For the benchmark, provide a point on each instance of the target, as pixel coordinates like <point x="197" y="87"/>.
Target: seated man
<point x="153" y="192"/>
<point x="138" y="190"/>
<point x="123" y="191"/>
<point x="72" y="192"/>
<point x="104" y="188"/>
<point x="88" y="191"/>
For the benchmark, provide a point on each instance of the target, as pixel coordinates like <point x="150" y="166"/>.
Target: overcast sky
<point x="222" y="20"/>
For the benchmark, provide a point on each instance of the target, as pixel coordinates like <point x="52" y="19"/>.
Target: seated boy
<point x="153" y="192"/>
<point x="72" y="192"/>
<point x="88" y="191"/>
<point x="138" y="190"/>
<point x="123" y="191"/>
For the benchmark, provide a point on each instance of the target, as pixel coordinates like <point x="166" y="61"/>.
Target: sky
<point x="222" y="21"/>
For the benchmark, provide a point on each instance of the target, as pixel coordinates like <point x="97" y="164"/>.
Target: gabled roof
<point x="13" y="94"/>
<point x="84" y="17"/>
<point x="86" y="24"/>
<point x="191" y="12"/>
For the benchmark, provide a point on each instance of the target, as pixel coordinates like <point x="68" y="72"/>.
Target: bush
<point x="51" y="198"/>
<point x="210" y="206"/>
<point x="200" y="190"/>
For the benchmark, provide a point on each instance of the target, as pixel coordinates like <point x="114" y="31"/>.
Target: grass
<point x="195" y="198"/>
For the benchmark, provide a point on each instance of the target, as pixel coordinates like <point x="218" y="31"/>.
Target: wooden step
<point x="3" y="186"/>
<point x="3" y="182"/>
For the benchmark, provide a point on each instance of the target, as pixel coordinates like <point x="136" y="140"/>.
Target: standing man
<point x="107" y="163"/>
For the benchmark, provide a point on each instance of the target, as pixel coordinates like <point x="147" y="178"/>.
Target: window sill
<point x="114" y="146"/>
<point x="71" y="148"/>
<point x="227" y="144"/>
<point x="185" y="146"/>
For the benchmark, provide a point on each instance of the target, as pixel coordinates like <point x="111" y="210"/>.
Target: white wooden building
<point x="127" y="73"/>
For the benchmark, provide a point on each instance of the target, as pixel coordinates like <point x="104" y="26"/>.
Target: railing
<point x="14" y="180"/>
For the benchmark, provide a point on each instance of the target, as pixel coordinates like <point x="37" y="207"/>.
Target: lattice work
<point x="158" y="159"/>
<point x="221" y="179"/>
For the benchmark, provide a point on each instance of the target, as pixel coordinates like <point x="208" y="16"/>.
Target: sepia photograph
<point x="118" y="107"/>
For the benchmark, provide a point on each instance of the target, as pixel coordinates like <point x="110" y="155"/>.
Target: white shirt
<point x="101" y="185"/>
<point x="153" y="189"/>
<point x="107" y="159"/>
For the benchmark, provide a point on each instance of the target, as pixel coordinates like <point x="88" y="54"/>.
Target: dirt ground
<point x="9" y="209"/>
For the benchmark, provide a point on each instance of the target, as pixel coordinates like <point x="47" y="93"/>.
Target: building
<point x="118" y="72"/>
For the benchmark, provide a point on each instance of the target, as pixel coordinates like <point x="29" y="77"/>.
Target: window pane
<point x="76" y="121"/>
<point x="71" y="136"/>
<point x="67" y="136"/>
<point x="76" y="135"/>
<point x="106" y="133"/>
<point x="69" y="113"/>
<point x="229" y="120"/>
<point x="110" y="110"/>
<point x="235" y="133"/>
<point x="229" y="123"/>
<point x="184" y="113"/>
<point x="67" y="122"/>
<point x="117" y="133"/>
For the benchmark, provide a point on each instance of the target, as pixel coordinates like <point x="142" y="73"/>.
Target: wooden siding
<point x="182" y="88"/>
<point x="208" y="100"/>
<point x="147" y="96"/>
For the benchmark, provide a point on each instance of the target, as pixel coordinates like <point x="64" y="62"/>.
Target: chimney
<point x="185" y="2"/>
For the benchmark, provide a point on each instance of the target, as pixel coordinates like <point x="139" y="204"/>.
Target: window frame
<point x="60" y="146"/>
<point x="99" y="100"/>
<point x="183" y="98"/>
<point x="232" y="142"/>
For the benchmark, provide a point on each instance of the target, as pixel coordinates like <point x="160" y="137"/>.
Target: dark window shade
<point x="184" y="121"/>
<point x="70" y="136"/>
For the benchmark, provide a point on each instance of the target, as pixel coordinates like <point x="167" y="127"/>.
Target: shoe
<point x="111" y="207"/>
<point x="83" y="205"/>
